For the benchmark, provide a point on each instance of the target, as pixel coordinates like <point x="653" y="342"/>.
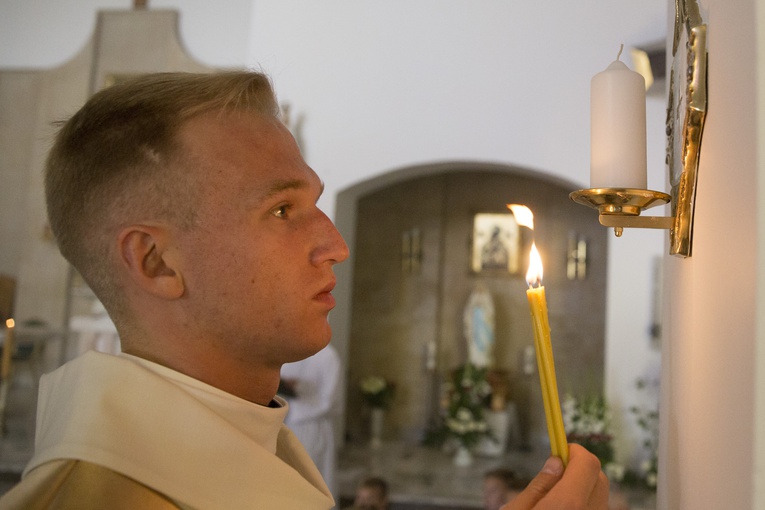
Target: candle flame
<point x="534" y="274"/>
<point x="9" y="323"/>
<point x="523" y="215"/>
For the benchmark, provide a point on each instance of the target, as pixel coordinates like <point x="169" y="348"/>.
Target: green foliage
<point x="376" y="391"/>
<point x="463" y="419"/>
<point x="588" y="422"/>
<point x="648" y="421"/>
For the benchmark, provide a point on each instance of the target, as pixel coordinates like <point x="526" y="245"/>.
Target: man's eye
<point x="281" y="211"/>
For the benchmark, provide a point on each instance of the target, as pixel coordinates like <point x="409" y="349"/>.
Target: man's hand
<point x="581" y="486"/>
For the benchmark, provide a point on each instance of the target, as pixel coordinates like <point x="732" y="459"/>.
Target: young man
<point x="185" y="204"/>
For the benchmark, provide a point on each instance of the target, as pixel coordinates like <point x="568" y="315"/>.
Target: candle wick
<point x="621" y="48"/>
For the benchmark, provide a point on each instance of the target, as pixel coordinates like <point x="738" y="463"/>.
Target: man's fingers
<point x="538" y="487"/>
<point x="584" y="480"/>
<point x="583" y="485"/>
<point x="599" y="496"/>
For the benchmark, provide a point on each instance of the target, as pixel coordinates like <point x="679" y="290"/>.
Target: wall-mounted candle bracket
<point x="620" y="208"/>
<point x="686" y="112"/>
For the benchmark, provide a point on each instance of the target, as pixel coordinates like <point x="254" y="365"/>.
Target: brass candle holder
<point x="620" y="208"/>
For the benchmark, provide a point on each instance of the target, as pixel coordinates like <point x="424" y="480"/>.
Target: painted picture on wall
<point x="496" y="243"/>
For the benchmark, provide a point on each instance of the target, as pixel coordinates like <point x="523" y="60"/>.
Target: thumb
<point x="538" y="487"/>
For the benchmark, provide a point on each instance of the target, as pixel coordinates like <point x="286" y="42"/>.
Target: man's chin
<point x="313" y="348"/>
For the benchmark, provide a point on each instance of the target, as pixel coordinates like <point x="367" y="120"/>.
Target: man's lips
<point x="325" y="295"/>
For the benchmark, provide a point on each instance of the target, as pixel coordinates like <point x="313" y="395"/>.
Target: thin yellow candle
<point x="5" y="368"/>
<point x="545" y="361"/>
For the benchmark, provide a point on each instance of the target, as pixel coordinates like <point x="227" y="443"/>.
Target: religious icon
<point x="495" y="243"/>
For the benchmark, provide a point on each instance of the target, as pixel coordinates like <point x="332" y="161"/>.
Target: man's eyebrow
<point x="279" y="186"/>
<point x="284" y="185"/>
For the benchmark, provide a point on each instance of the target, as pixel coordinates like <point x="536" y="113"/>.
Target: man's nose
<point x="333" y="247"/>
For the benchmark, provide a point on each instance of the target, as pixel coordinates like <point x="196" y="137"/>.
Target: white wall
<point x="710" y="447"/>
<point x="389" y="84"/>
<point x="758" y="472"/>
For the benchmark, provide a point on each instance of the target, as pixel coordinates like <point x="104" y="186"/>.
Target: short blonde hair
<point x="118" y="155"/>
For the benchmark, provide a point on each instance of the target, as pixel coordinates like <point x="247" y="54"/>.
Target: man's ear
<point x="145" y="257"/>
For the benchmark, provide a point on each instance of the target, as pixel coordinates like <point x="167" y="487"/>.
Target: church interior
<point x="425" y="121"/>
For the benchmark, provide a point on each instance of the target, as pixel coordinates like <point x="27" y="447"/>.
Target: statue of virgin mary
<point x="478" y="319"/>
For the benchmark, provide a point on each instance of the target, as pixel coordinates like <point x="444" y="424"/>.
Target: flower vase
<point x="463" y="457"/>
<point x="376" y="423"/>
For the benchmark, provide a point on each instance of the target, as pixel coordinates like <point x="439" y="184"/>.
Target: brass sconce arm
<point x="620" y="222"/>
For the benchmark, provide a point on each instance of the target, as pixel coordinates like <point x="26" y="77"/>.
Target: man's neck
<point x="254" y="384"/>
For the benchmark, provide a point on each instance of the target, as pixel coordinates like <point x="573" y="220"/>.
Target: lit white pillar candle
<point x="617" y="123"/>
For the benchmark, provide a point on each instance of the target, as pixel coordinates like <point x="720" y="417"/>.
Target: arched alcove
<point x="407" y="324"/>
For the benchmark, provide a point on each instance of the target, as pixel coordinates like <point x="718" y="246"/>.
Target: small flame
<point x="10" y="323"/>
<point x="523" y="215"/>
<point x="534" y="274"/>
